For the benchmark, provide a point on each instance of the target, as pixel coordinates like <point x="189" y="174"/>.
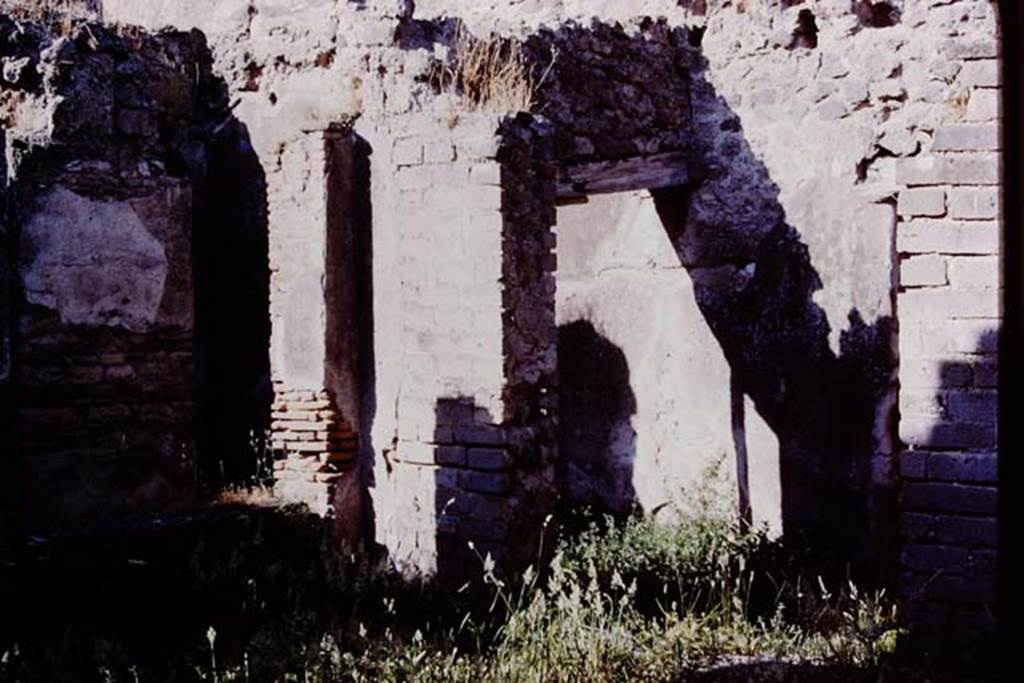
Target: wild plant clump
<point x="488" y="74"/>
<point x="633" y="600"/>
<point x="61" y="13"/>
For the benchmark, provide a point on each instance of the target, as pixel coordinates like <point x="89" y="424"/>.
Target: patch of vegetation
<point x="488" y="74"/>
<point x="62" y="14"/>
<point x="260" y="596"/>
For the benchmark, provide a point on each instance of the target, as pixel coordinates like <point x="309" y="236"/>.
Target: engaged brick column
<point x="948" y="306"/>
<point x="464" y="341"/>
<point x="312" y="340"/>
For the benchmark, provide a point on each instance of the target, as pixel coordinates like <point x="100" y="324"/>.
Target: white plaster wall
<point x="619" y="271"/>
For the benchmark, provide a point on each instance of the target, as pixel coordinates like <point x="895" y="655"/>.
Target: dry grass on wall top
<point x="48" y="10"/>
<point x="489" y="74"/>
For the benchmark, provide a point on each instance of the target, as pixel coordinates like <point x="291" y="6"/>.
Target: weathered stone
<point x="476" y="434"/>
<point x="947" y="237"/>
<point x="488" y="458"/>
<point x="973" y="406"/>
<point x="924" y="201"/>
<point x="974" y="168"/>
<point x="983" y="105"/>
<point x="923" y="271"/>
<point x="974" y="203"/>
<point x="949" y="530"/>
<point x="981" y="468"/>
<point x="967" y="137"/>
<point x="975" y="272"/>
<point x="485" y="482"/>
<point x="929" y="303"/>
<point x="979" y="48"/>
<point x="949" y="498"/>
<point x="934" y="433"/>
<point x="982" y="73"/>
<point x="450" y="455"/>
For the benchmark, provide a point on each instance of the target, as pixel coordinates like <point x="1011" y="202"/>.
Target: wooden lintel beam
<point x="625" y="175"/>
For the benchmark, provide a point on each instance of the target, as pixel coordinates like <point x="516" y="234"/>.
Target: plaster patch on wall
<point x="93" y="262"/>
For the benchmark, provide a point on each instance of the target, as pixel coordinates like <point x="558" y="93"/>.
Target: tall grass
<point x="633" y="600"/>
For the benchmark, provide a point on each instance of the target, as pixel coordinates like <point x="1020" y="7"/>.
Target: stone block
<point x="983" y="105"/>
<point x="923" y="271"/>
<point x="922" y="201"/>
<point x="975" y="272"/>
<point x="949" y="529"/>
<point x="947" y="237"/>
<point x="413" y="179"/>
<point x="450" y="455"/>
<point x="949" y="498"/>
<point x="971" y="48"/>
<point x="485" y="174"/>
<point x="485" y="482"/>
<point x="478" y="434"/>
<point x="973" y="406"/>
<point x="939" y="338"/>
<point x="924" y="432"/>
<point x="854" y="90"/>
<point x="447" y="478"/>
<point x="967" y="137"/>
<point x="913" y="464"/>
<point x="974" y="203"/>
<point x="968" y="168"/>
<point x="948" y="304"/>
<point x="981" y="73"/>
<point x="489" y="458"/>
<point x="968" y="468"/>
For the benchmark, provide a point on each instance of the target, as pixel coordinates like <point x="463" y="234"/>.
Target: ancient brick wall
<point x="530" y="337"/>
<point x="101" y="208"/>
<point x="839" y="229"/>
<point x="439" y="449"/>
<point x="949" y="312"/>
<point x="873" y="135"/>
<point x="613" y="92"/>
<point x="313" y="349"/>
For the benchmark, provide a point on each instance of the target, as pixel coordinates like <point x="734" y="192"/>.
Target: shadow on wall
<point x="756" y="293"/>
<point x="755" y="284"/>
<point x="948" y="526"/>
<point x="597" y="442"/>
<point x="232" y="285"/>
<point x="366" y="380"/>
<point x="473" y="492"/>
